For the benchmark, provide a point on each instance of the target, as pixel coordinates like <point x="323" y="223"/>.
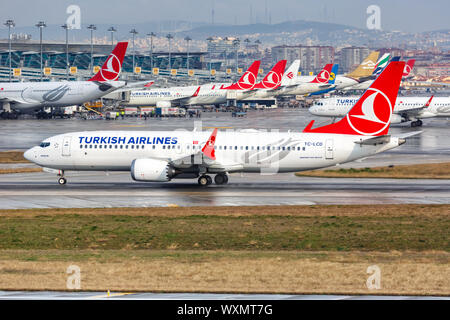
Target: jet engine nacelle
<point x="395" y="118"/>
<point x="151" y="170"/>
<point x="163" y="104"/>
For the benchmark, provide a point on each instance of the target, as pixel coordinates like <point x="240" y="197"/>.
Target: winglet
<point x="428" y="102"/>
<point x="208" y="149"/>
<point x="196" y="92"/>
<point x="309" y="126"/>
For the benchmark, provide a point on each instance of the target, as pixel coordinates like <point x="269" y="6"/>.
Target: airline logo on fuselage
<point x="127" y="140"/>
<point x="346" y="101"/>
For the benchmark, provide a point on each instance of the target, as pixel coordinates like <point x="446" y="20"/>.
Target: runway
<point x="97" y="189"/>
<point x="59" y="295"/>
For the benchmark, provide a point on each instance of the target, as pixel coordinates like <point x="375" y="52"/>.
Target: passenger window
<point x="154" y="146"/>
<point x="115" y="146"/>
<point x="81" y="146"/>
<point x="132" y="146"/>
<point x="85" y="146"/>
<point x="90" y="146"/>
<point x="95" y="146"/>
<point x="121" y="146"/>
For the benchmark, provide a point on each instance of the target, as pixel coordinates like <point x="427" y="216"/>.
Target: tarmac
<point x="63" y="295"/>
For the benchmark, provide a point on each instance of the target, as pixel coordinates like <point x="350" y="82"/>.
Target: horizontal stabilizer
<point x="375" y="140"/>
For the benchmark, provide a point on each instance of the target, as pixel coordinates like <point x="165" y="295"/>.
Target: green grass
<point x="208" y="232"/>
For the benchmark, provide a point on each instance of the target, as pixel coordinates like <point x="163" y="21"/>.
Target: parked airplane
<point x="406" y="108"/>
<point x="208" y="94"/>
<point x="27" y="97"/>
<point x="160" y="156"/>
<point x="380" y="66"/>
<point x="331" y="81"/>
<point x="302" y="85"/>
<point x="360" y="74"/>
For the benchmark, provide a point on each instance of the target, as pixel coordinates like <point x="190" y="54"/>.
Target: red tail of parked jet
<point x="324" y="75"/>
<point x="273" y="79"/>
<point x="112" y="67"/>
<point x="408" y="67"/>
<point x="371" y="114"/>
<point x="248" y="79"/>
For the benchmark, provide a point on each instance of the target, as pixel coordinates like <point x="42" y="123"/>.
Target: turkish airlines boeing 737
<point x="28" y="97"/>
<point x="160" y="156"/>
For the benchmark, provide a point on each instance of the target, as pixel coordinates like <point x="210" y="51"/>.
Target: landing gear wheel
<point x="221" y="179"/>
<point x="204" y="180"/>
<point x="419" y="123"/>
<point x="62" y="181"/>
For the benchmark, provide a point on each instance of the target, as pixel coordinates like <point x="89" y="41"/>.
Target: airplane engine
<point x="395" y="118"/>
<point x="151" y="170"/>
<point x="163" y="104"/>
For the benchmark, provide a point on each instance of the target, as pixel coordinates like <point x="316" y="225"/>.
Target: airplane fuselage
<point x="270" y="152"/>
<point x="30" y="96"/>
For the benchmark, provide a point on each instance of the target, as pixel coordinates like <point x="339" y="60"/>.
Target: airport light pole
<point x="134" y="33"/>
<point x="41" y="25"/>
<point x="112" y="30"/>
<point x="236" y="43"/>
<point x="92" y="27"/>
<point x="151" y="34"/>
<point x="209" y="39"/>
<point x="187" y="39"/>
<point x="9" y="24"/>
<point x="247" y="41"/>
<point x="170" y="37"/>
<point x="66" y="27"/>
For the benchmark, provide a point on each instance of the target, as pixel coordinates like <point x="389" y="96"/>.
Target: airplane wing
<point x="18" y="101"/>
<point x="185" y="100"/>
<point x="206" y="157"/>
<point x="418" y="110"/>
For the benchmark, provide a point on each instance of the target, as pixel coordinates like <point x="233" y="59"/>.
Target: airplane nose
<point x="313" y="109"/>
<point x="28" y="155"/>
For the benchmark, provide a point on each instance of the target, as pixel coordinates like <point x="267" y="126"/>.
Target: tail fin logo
<point x="113" y="67"/>
<point x="248" y="81"/>
<point x="369" y="64"/>
<point x="372" y="122"/>
<point x="290" y="75"/>
<point x="273" y="80"/>
<point x="332" y="76"/>
<point x="323" y="76"/>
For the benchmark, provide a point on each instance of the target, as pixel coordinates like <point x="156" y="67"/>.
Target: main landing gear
<point x="219" y="179"/>
<point x="417" y="123"/>
<point x="61" y="179"/>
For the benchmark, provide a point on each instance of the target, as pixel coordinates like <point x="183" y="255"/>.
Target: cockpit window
<point x="44" y="144"/>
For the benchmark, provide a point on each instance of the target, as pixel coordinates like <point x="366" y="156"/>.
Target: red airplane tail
<point x="324" y="75"/>
<point x="371" y="114"/>
<point x="273" y="79"/>
<point x="248" y="79"/>
<point x="112" y="67"/>
<point x="408" y="67"/>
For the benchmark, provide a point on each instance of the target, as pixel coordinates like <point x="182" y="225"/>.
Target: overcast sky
<point x="404" y="15"/>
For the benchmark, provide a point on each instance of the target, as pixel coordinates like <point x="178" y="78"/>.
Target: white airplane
<point x="360" y="74"/>
<point x="302" y="85"/>
<point x="209" y="94"/>
<point x="406" y="108"/>
<point x="378" y="68"/>
<point x="160" y="156"/>
<point x="27" y="97"/>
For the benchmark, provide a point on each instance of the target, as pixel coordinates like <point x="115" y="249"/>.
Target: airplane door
<point x="66" y="146"/>
<point x="329" y="154"/>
